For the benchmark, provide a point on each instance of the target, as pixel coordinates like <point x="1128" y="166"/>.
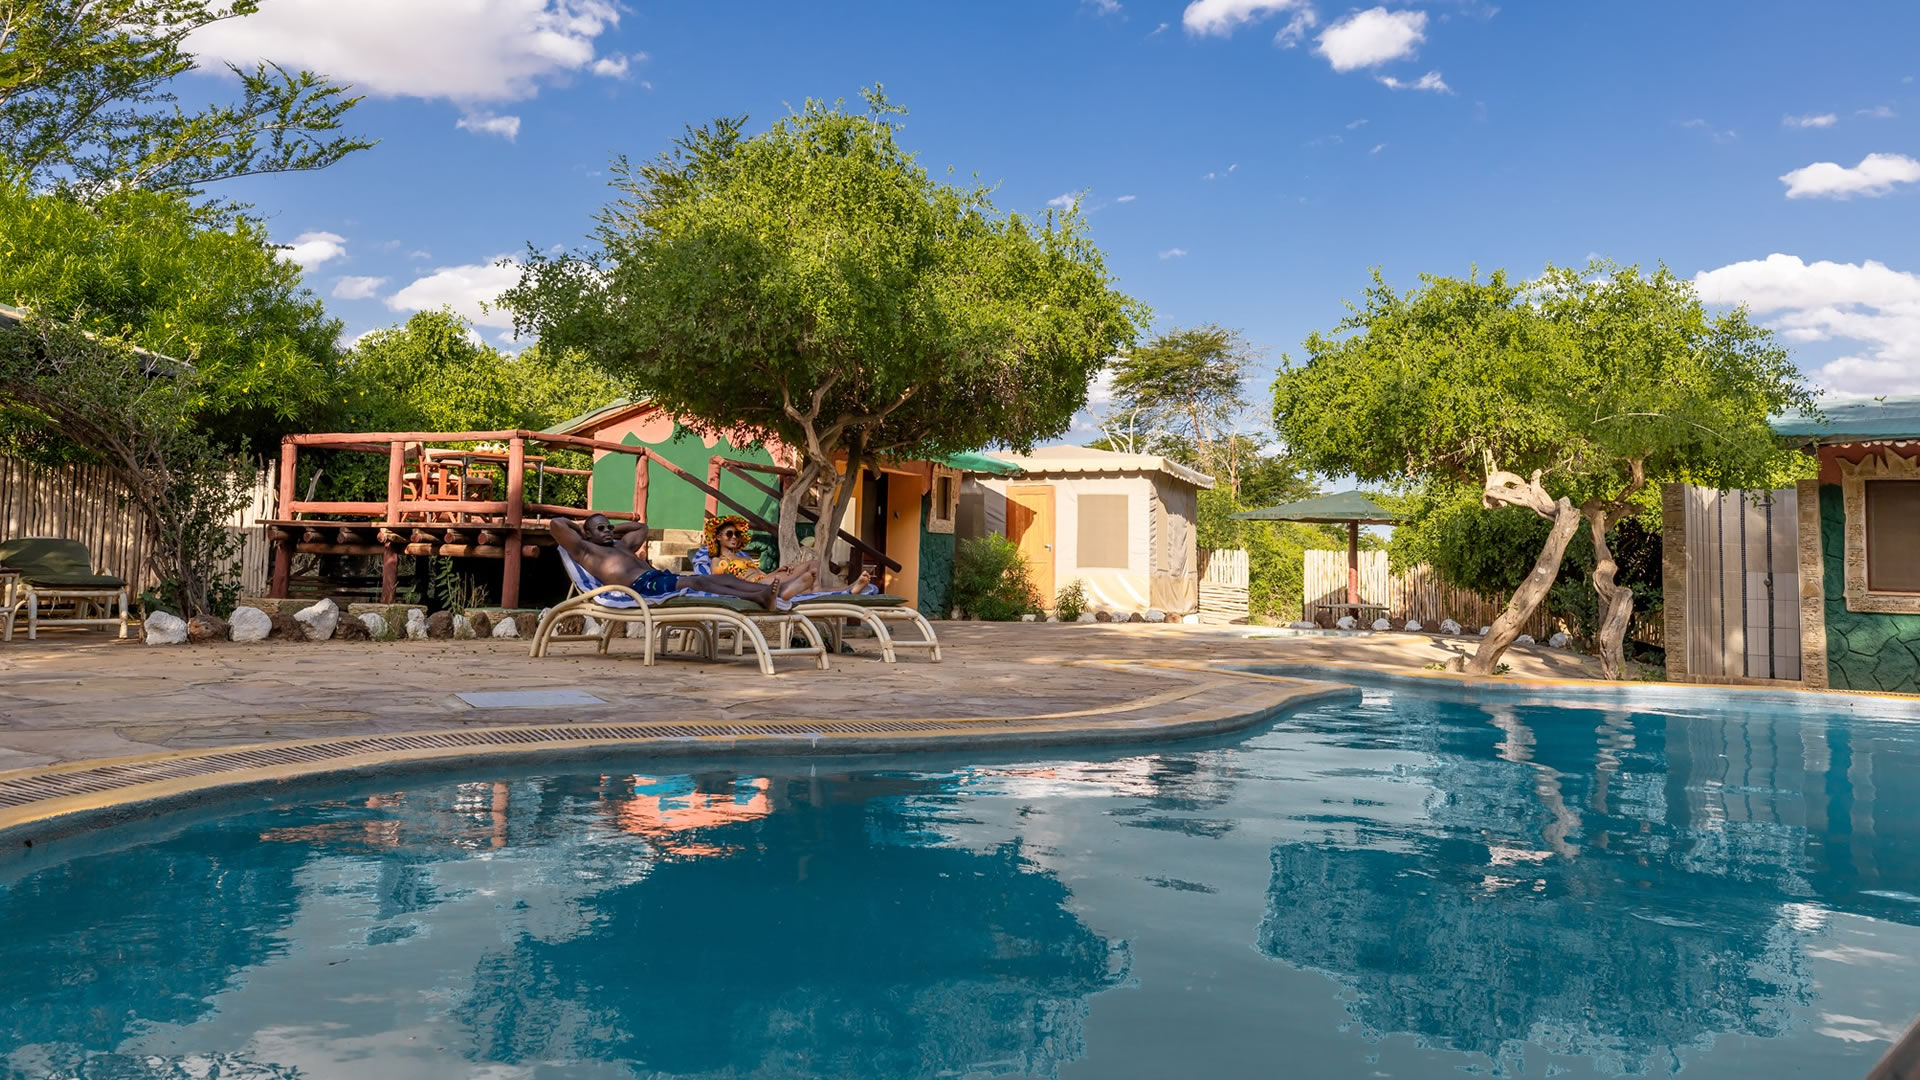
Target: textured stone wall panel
<point x="1865" y="650"/>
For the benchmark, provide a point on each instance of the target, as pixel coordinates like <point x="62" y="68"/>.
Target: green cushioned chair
<point x="875" y="611"/>
<point x="59" y="574"/>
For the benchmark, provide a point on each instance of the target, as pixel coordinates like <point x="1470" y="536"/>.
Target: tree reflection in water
<point x="804" y="929"/>
<point x="1599" y="884"/>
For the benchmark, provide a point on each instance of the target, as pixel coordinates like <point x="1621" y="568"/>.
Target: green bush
<point x="991" y="580"/>
<point x="1070" y="601"/>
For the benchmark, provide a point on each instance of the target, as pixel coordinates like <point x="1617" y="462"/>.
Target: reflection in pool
<point x="1400" y="887"/>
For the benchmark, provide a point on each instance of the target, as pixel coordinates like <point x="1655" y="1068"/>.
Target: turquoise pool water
<point x="1401" y="886"/>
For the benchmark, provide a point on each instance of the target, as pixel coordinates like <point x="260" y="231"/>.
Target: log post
<point x="516" y="507"/>
<point x="1353" y="565"/>
<point x="713" y="481"/>
<point x="390" y="559"/>
<point x="283" y="548"/>
<point x="640" y="473"/>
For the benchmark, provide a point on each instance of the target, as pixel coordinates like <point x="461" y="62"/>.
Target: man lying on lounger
<point x="617" y="560"/>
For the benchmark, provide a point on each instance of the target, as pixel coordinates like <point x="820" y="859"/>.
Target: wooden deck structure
<point x="436" y="501"/>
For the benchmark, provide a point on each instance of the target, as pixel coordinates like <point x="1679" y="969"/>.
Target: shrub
<point x="991" y="580"/>
<point x="1071" y="601"/>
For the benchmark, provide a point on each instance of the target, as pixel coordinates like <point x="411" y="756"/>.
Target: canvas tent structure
<point x="1122" y="524"/>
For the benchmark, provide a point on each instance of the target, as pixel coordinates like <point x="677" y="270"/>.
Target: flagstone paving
<point x="74" y="696"/>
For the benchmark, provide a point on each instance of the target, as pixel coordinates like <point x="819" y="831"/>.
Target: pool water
<point x="1405" y="885"/>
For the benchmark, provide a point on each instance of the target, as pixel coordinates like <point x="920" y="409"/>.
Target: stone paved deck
<point x="76" y="696"/>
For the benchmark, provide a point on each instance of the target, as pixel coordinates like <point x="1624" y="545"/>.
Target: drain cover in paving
<point x="529" y="699"/>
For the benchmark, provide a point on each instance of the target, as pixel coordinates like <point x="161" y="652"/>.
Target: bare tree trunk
<point x="1616" y="601"/>
<point x="791" y="497"/>
<point x="834" y="508"/>
<point x="1509" y="489"/>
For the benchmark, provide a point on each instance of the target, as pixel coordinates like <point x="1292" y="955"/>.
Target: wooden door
<point x="1030" y="525"/>
<point x="1743" y="584"/>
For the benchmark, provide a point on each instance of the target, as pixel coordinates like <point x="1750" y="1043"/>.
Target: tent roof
<point x="1337" y="509"/>
<point x="1079" y="459"/>
<point x="1852" y="420"/>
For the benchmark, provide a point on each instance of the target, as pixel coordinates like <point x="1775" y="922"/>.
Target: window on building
<point x="1103" y="532"/>
<point x="943" y="503"/>
<point x="1893" y="535"/>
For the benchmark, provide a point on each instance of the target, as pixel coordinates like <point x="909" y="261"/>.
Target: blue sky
<point x="1244" y="162"/>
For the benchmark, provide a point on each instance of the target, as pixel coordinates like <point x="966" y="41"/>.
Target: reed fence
<point x="1224" y="577"/>
<point x="1413" y="594"/>
<point x="86" y="503"/>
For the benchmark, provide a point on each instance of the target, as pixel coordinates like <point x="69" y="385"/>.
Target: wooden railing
<point x="399" y="520"/>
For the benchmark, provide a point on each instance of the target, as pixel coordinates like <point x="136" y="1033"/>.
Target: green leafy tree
<point x="812" y="283"/>
<point x="84" y="101"/>
<point x="1188" y="384"/>
<point x="137" y="264"/>
<point x="1566" y="396"/>
<point x="138" y="413"/>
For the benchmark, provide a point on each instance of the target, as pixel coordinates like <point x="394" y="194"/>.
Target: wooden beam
<point x="283" y="545"/>
<point x="516" y="495"/>
<point x="357" y="509"/>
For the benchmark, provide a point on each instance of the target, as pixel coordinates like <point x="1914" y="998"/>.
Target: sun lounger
<point x="57" y="573"/>
<point x="618" y="605"/>
<point x="872" y="609"/>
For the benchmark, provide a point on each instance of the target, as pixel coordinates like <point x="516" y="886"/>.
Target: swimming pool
<point x="1410" y="885"/>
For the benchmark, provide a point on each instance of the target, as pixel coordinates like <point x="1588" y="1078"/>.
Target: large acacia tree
<point x="814" y="284"/>
<point x="1566" y="395"/>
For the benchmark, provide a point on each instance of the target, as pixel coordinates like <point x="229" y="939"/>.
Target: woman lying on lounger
<point x="618" y="560"/>
<point x="725" y="553"/>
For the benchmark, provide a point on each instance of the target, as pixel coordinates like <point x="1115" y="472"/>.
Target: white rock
<point x="416" y="624"/>
<point x="1053" y="618"/>
<point x="506" y="628"/>
<point x="1485" y="630"/>
<point x="375" y="623"/>
<point x="1087" y="616"/>
<point x="1155" y="615"/>
<point x="1347" y="622"/>
<point x="1382" y="624"/>
<point x="590" y="624"/>
<point x="320" y="620"/>
<point x="249" y="624"/>
<point x="1303" y="624"/>
<point x="1450" y="628"/>
<point x="165" y="629"/>
<point x="1029" y="617"/>
<point x="1559" y="640"/>
<point x="954" y="614"/>
<point x="1414" y="625"/>
<point x="1523" y="639"/>
<point x="635" y="629"/>
<point x="463" y="628"/>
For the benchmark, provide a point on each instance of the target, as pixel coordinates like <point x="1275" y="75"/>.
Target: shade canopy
<point x="1342" y="508"/>
<point x="978" y="463"/>
<point x="1847" y="421"/>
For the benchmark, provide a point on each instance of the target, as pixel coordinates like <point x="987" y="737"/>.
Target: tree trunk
<point x="1616" y="601"/>
<point x="791" y="497"/>
<point x="1508" y="489"/>
<point x="834" y="509"/>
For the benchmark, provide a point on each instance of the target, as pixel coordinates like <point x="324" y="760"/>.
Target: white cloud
<point x="1377" y="148"/>
<point x="1868" y="303"/>
<point x="310" y="249"/>
<point x="1357" y="124"/>
<point x="616" y="66"/>
<point x="464" y="289"/>
<point x="486" y="123"/>
<point x="1066" y="200"/>
<point x="1223" y="17"/>
<point x="1174" y="253"/>
<point x="460" y="50"/>
<point x="357" y="288"/>
<point x="1104" y="7"/>
<point x="1878" y="112"/>
<point x="1875" y="175"/>
<point x="1431" y="81"/>
<point x="1700" y="124"/>
<point x="419" y="255"/>
<point x="1126" y="198"/>
<point x="1372" y="37"/>
<point x="1811" y="120"/>
<point x="1296" y="29"/>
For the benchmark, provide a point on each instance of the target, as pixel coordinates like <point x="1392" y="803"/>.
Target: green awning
<point x="1860" y="418"/>
<point x="1340" y="509"/>
<point x="979" y="463"/>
